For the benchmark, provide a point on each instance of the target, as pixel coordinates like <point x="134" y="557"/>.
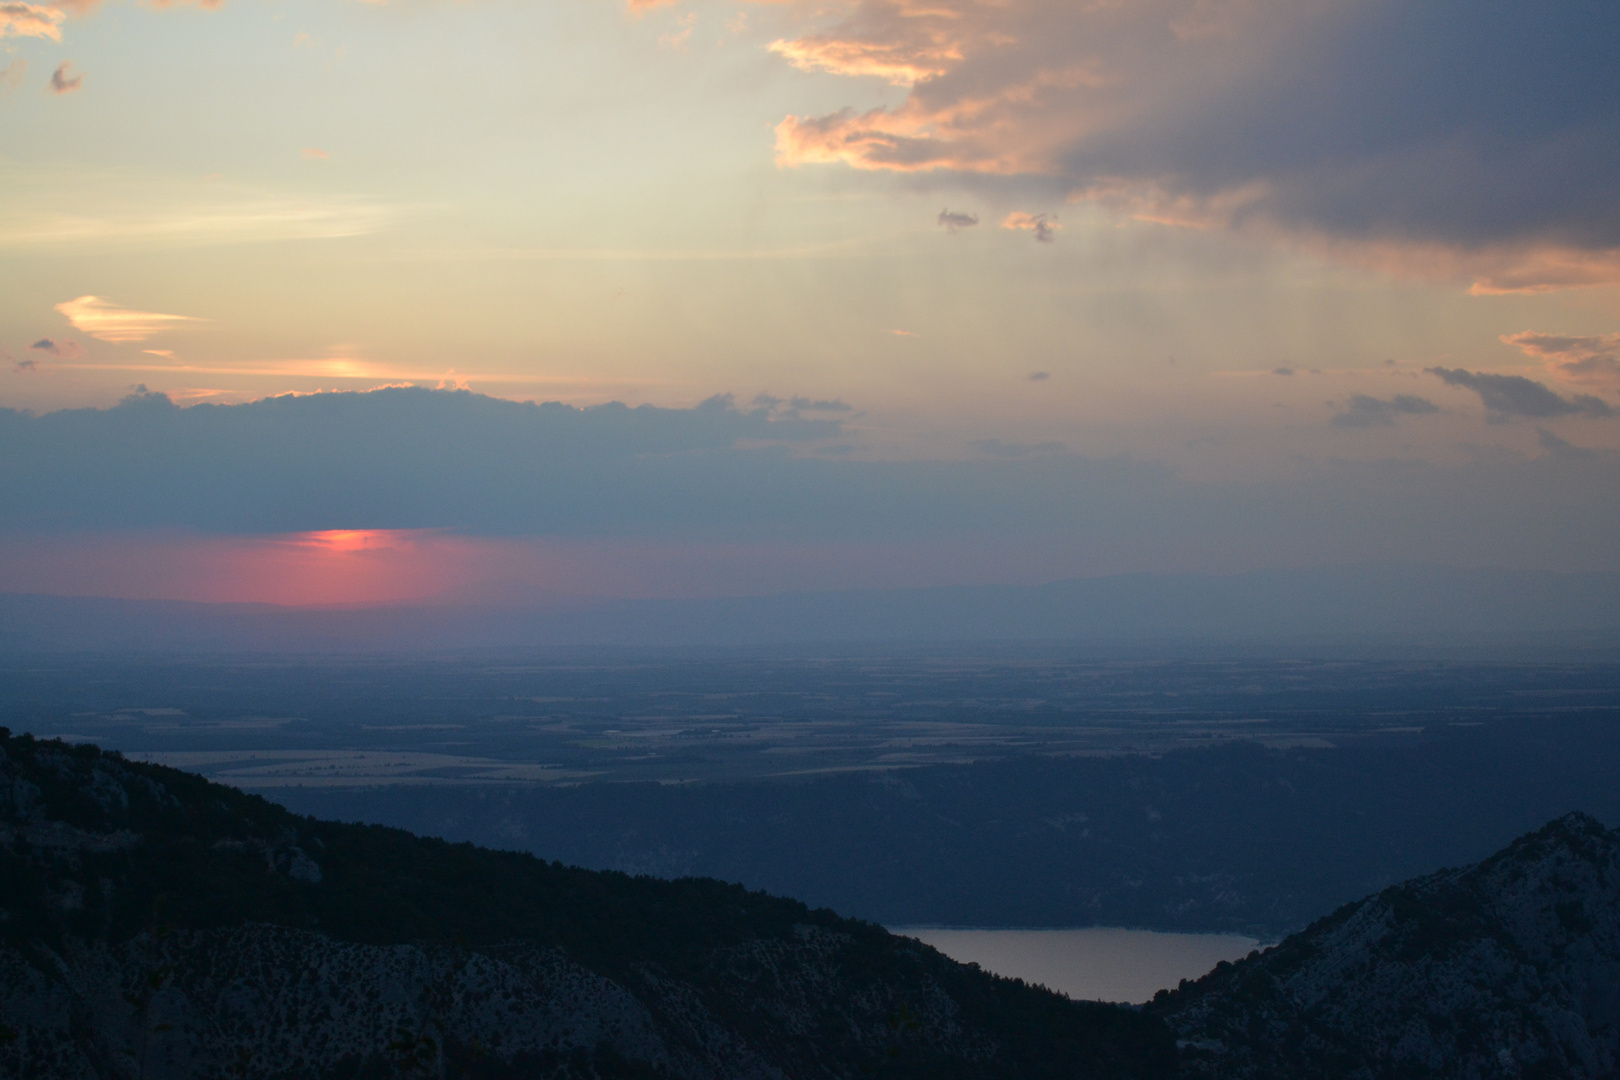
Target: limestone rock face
<point x="1509" y="968"/>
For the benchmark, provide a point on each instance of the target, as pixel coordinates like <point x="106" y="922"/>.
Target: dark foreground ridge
<point x="1508" y="968"/>
<point x="155" y="925"/>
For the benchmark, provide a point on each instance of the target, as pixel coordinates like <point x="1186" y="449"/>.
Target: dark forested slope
<point x="153" y="924"/>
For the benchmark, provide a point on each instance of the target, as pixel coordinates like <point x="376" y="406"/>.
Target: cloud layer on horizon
<point x="420" y="459"/>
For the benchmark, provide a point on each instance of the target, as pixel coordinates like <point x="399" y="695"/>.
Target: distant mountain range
<point x="1363" y="606"/>
<point x="155" y="925"/>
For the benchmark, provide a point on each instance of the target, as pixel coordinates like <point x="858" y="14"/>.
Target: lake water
<point x="1097" y="963"/>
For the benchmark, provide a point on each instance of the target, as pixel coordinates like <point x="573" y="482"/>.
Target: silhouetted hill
<point x="153" y="924"/>
<point x="1508" y="968"/>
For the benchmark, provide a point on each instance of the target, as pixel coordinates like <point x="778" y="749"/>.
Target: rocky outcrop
<point x="1509" y="968"/>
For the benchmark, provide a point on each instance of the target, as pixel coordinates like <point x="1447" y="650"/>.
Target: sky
<point x="356" y="302"/>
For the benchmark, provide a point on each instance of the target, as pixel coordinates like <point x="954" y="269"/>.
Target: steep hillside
<point x="155" y="925"/>
<point x="1508" y="968"/>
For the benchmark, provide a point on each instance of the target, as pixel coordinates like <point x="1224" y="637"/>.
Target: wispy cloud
<point x="951" y="220"/>
<point x="66" y="350"/>
<point x="63" y="81"/>
<point x="1515" y="395"/>
<point x="1594" y="359"/>
<point x="313" y="153"/>
<point x="46" y="209"/>
<point x="106" y="321"/>
<point x="680" y="39"/>
<point x="30" y="20"/>
<point x="1041" y="225"/>
<point x="12" y="75"/>
<point x="338" y="369"/>
<point x="1366" y="412"/>
<point x="900" y="63"/>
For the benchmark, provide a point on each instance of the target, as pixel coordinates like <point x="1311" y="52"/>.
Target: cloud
<point x="1515" y="395"/>
<point x="63" y="81"/>
<point x="721" y="473"/>
<point x="1561" y="449"/>
<point x="106" y="321"/>
<point x="12" y="75"/>
<point x="1041" y="225"/>
<point x="836" y="405"/>
<point x="64" y="350"/>
<point x="1282" y="371"/>
<point x="1430" y="137"/>
<point x="1366" y="412"/>
<point x="313" y="153"/>
<point x="679" y="40"/>
<point x="790" y="408"/>
<point x="1038" y="376"/>
<point x="1576" y="359"/>
<point x="925" y="56"/>
<point x="26" y="365"/>
<point x="30" y="20"/>
<point x="952" y="220"/>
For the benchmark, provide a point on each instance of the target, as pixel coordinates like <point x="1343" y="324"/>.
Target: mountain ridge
<point x="1508" y="967"/>
<point x="153" y="924"/>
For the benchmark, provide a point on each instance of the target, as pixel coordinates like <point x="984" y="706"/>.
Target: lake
<point x="1096" y="963"/>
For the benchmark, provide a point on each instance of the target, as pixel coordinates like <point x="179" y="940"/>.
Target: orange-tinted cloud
<point x="30" y="20"/>
<point x="1367" y="132"/>
<point x="1594" y="360"/>
<point x="900" y="64"/>
<point x="1042" y="225"/>
<point x="106" y="321"/>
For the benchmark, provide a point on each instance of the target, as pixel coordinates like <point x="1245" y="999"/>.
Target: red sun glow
<point x="352" y="539"/>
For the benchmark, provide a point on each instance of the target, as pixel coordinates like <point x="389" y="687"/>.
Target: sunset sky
<point x="915" y="291"/>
